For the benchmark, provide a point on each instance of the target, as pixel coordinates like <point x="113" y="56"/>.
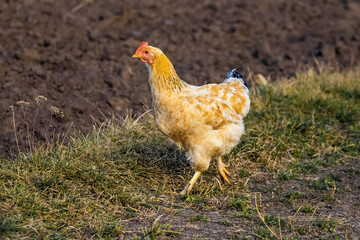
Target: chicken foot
<point x="224" y="174"/>
<point x="190" y="185"/>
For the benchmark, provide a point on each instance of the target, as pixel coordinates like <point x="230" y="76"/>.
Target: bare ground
<point x="79" y="57"/>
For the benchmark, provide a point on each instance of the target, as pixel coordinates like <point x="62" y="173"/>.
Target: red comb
<point x="142" y="45"/>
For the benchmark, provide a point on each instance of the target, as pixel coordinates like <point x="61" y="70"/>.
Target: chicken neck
<point x="163" y="76"/>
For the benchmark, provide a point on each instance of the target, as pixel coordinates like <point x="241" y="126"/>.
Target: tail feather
<point x="234" y="75"/>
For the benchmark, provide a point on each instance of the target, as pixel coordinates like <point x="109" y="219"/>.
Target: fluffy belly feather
<point x="215" y="142"/>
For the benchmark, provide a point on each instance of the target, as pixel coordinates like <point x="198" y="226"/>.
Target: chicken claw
<point x="224" y="174"/>
<point x="190" y="185"/>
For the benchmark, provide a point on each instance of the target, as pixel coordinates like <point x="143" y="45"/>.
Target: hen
<point x="206" y="121"/>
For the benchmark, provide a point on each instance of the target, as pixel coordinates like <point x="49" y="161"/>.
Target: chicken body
<point x="206" y="121"/>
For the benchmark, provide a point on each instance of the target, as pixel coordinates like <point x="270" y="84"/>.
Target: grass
<point x="199" y="218"/>
<point x="111" y="181"/>
<point x="308" y="209"/>
<point x="242" y="206"/>
<point x="225" y="222"/>
<point x="157" y="230"/>
<point x="293" y="196"/>
<point x="327" y="225"/>
<point x="273" y="221"/>
<point x="327" y="184"/>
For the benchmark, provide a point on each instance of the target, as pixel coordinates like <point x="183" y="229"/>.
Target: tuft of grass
<point x="301" y="230"/>
<point x="293" y="196"/>
<point x="274" y="221"/>
<point x="263" y="233"/>
<point x="325" y="225"/>
<point x="329" y="160"/>
<point x="286" y="176"/>
<point x="308" y="209"/>
<point x="199" y="218"/>
<point x="327" y="184"/>
<point x="197" y="202"/>
<point x="305" y="167"/>
<point x="352" y="172"/>
<point x="157" y="230"/>
<point x="226" y="223"/>
<point x="243" y="173"/>
<point x="242" y="205"/>
<point x="108" y="231"/>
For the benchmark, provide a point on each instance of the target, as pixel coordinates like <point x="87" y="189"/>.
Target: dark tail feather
<point x="235" y="74"/>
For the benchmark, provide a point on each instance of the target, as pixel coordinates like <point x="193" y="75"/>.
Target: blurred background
<point x="78" y="53"/>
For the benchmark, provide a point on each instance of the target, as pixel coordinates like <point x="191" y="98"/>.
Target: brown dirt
<point x="81" y="60"/>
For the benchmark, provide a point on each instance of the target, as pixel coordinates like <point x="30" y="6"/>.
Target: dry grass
<point x="103" y="184"/>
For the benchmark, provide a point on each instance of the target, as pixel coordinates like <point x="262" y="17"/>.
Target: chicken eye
<point x="146" y="52"/>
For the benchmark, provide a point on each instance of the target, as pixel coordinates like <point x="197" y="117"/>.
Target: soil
<point x="79" y="57"/>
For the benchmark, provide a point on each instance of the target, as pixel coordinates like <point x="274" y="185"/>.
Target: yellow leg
<point x="190" y="185"/>
<point x="224" y="174"/>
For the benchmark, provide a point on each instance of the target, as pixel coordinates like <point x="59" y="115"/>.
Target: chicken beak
<point x="136" y="56"/>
